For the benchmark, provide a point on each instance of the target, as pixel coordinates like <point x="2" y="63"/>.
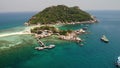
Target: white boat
<point x="50" y="46"/>
<point x="45" y="47"/>
<point x="104" y="38"/>
<point x="39" y="48"/>
<point x="118" y="62"/>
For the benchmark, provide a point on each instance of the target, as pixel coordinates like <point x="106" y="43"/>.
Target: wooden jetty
<point x="43" y="46"/>
<point x="41" y="43"/>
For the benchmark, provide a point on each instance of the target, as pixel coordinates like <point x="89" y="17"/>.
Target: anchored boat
<point x="104" y="38"/>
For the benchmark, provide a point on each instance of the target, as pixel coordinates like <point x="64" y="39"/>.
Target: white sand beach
<point x="25" y="31"/>
<point x="16" y="33"/>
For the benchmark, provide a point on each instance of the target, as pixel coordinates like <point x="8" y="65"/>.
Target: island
<point x="61" y="14"/>
<point x="46" y="20"/>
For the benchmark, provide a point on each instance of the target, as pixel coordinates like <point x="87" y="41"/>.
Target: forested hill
<point x="60" y="13"/>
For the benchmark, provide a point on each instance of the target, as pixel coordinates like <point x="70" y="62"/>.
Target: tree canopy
<point x="60" y="13"/>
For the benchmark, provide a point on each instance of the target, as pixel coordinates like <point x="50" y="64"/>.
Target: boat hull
<point x="104" y="41"/>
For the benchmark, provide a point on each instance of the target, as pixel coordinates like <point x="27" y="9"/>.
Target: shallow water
<point x="66" y="54"/>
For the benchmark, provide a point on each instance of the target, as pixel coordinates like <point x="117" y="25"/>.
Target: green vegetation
<point x="39" y="30"/>
<point x="51" y="28"/>
<point x="65" y="32"/>
<point x="60" y="13"/>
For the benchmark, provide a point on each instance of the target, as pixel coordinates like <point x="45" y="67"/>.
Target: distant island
<point x="45" y="21"/>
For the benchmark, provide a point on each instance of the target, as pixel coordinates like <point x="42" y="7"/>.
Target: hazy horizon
<point x="39" y="5"/>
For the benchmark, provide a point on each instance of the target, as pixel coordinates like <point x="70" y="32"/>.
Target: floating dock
<point x="43" y="46"/>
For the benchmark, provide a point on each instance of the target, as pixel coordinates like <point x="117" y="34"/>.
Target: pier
<point x="41" y="43"/>
<point x="43" y="46"/>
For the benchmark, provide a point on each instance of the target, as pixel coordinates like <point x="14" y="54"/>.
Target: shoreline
<point x="59" y="24"/>
<point x="94" y="20"/>
<point x="16" y="33"/>
<point x="26" y="30"/>
<point x="32" y="26"/>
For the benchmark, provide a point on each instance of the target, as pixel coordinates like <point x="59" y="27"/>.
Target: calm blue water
<point x="94" y="53"/>
<point x="9" y="20"/>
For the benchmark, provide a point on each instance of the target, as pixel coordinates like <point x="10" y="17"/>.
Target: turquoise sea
<point x="18" y="51"/>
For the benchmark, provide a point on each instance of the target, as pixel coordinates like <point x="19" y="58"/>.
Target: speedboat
<point x="104" y="38"/>
<point x="118" y="62"/>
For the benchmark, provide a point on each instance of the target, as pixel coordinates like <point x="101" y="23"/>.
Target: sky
<point x="38" y="5"/>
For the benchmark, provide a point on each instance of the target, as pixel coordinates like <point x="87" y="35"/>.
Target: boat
<point x="104" y="38"/>
<point x="85" y="28"/>
<point x="51" y="46"/>
<point x="45" y="47"/>
<point x="118" y="62"/>
<point x="39" y="48"/>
